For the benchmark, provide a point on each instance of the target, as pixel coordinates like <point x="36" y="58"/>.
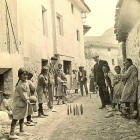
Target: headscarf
<point x="43" y="69"/>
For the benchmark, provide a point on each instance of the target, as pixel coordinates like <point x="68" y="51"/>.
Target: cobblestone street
<point x="92" y="125"/>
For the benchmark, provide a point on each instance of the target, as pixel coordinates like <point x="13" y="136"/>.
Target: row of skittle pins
<point x="75" y="110"/>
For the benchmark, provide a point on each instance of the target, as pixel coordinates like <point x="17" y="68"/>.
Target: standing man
<point x="99" y="78"/>
<point x="51" y="81"/>
<point x="82" y="79"/>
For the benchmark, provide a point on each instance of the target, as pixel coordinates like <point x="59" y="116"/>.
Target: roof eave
<point x="84" y="8"/>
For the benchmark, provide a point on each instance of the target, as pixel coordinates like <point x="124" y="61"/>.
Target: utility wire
<point x="12" y="26"/>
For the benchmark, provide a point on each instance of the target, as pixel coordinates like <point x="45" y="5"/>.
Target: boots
<point x="21" y="125"/>
<point x="12" y="135"/>
<point x="63" y="100"/>
<point x="42" y="111"/>
<point x="39" y="110"/>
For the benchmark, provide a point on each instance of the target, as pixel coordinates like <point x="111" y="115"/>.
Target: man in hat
<point x="52" y="81"/>
<point x="99" y="78"/>
<point x="82" y="79"/>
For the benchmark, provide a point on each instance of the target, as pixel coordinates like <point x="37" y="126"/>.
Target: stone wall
<point x="8" y="81"/>
<point x="133" y="50"/>
<point x="133" y="45"/>
<point x="34" y="66"/>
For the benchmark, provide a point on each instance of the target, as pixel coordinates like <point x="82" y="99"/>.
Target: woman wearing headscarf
<point x="61" y="81"/>
<point x="91" y="77"/>
<point x="75" y="81"/>
<point x="42" y="88"/>
<point x="129" y="94"/>
<point x="21" y="102"/>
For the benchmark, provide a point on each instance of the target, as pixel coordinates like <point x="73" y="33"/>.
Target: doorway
<point x="44" y="62"/>
<point x="1" y="87"/>
<point x="67" y="67"/>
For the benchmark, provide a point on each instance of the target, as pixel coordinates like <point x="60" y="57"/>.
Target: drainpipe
<point x="54" y="27"/>
<point x="124" y="50"/>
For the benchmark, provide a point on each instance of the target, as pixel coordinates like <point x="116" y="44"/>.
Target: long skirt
<point x="92" y="87"/>
<point x="61" y="91"/>
<point x="75" y="84"/>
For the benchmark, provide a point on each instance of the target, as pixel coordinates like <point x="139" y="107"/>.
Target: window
<point x="113" y="63"/>
<point x="59" y="24"/>
<point x="109" y="49"/>
<point x="72" y="9"/>
<point x="78" y="35"/>
<point x="44" y="21"/>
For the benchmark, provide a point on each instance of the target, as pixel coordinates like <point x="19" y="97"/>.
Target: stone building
<point x="31" y="32"/>
<point x="105" y="45"/>
<point x="127" y="30"/>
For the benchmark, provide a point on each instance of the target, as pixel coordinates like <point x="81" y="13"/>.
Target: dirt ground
<point x="92" y="125"/>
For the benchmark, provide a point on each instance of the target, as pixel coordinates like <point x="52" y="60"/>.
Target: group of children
<point x="23" y="103"/>
<point x="26" y="96"/>
<point x="118" y="86"/>
<point x="114" y="86"/>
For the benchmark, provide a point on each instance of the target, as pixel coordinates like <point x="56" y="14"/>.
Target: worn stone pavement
<point x="92" y="125"/>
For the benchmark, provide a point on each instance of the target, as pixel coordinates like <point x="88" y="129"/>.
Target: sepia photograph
<point x="69" y="69"/>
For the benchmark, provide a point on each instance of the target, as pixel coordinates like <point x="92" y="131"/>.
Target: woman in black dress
<point x="91" y="85"/>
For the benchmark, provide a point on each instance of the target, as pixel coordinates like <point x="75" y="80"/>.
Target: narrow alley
<point x="92" y="125"/>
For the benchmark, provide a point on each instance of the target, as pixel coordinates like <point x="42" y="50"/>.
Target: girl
<point x="6" y="104"/>
<point x="118" y="86"/>
<point x="20" y="102"/>
<point x="42" y="87"/>
<point x="32" y="93"/>
<point x="108" y="75"/>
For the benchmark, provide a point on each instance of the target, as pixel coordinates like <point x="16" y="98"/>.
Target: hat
<point x="54" y="58"/>
<point x="105" y="65"/>
<point x="81" y="67"/>
<point x="6" y="93"/>
<point x="44" y="68"/>
<point x="95" y="55"/>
